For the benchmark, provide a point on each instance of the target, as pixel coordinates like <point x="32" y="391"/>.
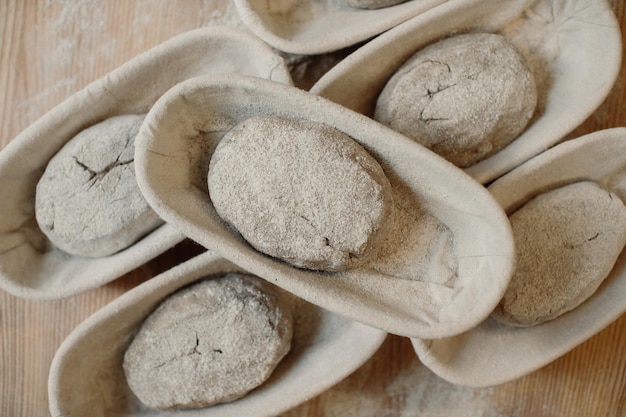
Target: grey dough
<point x="87" y="201"/>
<point x="373" y="4"/>
<point x="464" y="97"/>
<point x="301" y="191"/>
<point x="567" y="242"/>
<point x="209" y="343"/>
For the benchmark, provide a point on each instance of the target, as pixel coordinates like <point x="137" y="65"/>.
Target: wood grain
<point x="50" y="49"/>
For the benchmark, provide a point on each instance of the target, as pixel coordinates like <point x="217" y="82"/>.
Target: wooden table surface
<point x="52" y="48"/>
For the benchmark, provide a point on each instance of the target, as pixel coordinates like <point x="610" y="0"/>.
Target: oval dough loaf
<point x="567" y="242"/>
<point x="87" y="201"/>
<point x="209" y="343"/>
<point x="301" y="191"/>
<point x="465" y="97"/>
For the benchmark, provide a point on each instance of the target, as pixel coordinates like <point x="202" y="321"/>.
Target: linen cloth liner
<point x="494" y="353"/>
<point x="573" y="48"/>
<point x="172" y="154"/>
<point x="86" y="376"/>
<point x="29" y="266"/>
<point x="311" y="27"/>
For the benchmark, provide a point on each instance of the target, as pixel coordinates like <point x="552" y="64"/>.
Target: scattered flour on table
<point x="426" y="395"/>
<point x="413" y="391"/>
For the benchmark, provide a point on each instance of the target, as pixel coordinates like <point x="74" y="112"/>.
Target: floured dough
<point x="300" y="191"/>
<point x="209" y="343"/>
<point x="567" y="242"/>
<point x="465" y="97"/>
<point x="87" y="201"/>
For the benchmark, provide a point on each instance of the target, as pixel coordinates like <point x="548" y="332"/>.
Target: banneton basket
<point x="172" y="156"/>
<point x="494" y="353"/>
<point x="87" y="379"/>
<point x="311" y="27"/>
<point x="30" y="266"/>
<point x="573" y="48"/>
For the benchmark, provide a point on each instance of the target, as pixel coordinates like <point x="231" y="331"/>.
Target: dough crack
<point x="431" y="93"/>
<point x="194" y="349"/>
<point x="95" y="176"/>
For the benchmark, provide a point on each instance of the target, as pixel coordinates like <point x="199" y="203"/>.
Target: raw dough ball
<point x="87" y="201"/>
<point x="373" y="4"/>
<point x="300" y="191"/>
<point x="567" y="242"/>
<point x="464" y="97"/>
<point x="209" y="343"/>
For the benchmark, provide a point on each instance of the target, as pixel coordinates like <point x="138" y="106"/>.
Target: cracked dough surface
<point x="301" y="191"/>
<point x="464" y="97"/>
<point x="87" y="201"/>
<point x="209" y="343"/>
<point x="567" y="240"/>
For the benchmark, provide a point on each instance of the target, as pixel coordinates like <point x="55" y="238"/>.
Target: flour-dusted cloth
<point x="573" y="48"/>
<point x="494" y="353"/>
<point x="86" y="376"/>
<point x="463" y="274"/>
<point x="311" y="27"/>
